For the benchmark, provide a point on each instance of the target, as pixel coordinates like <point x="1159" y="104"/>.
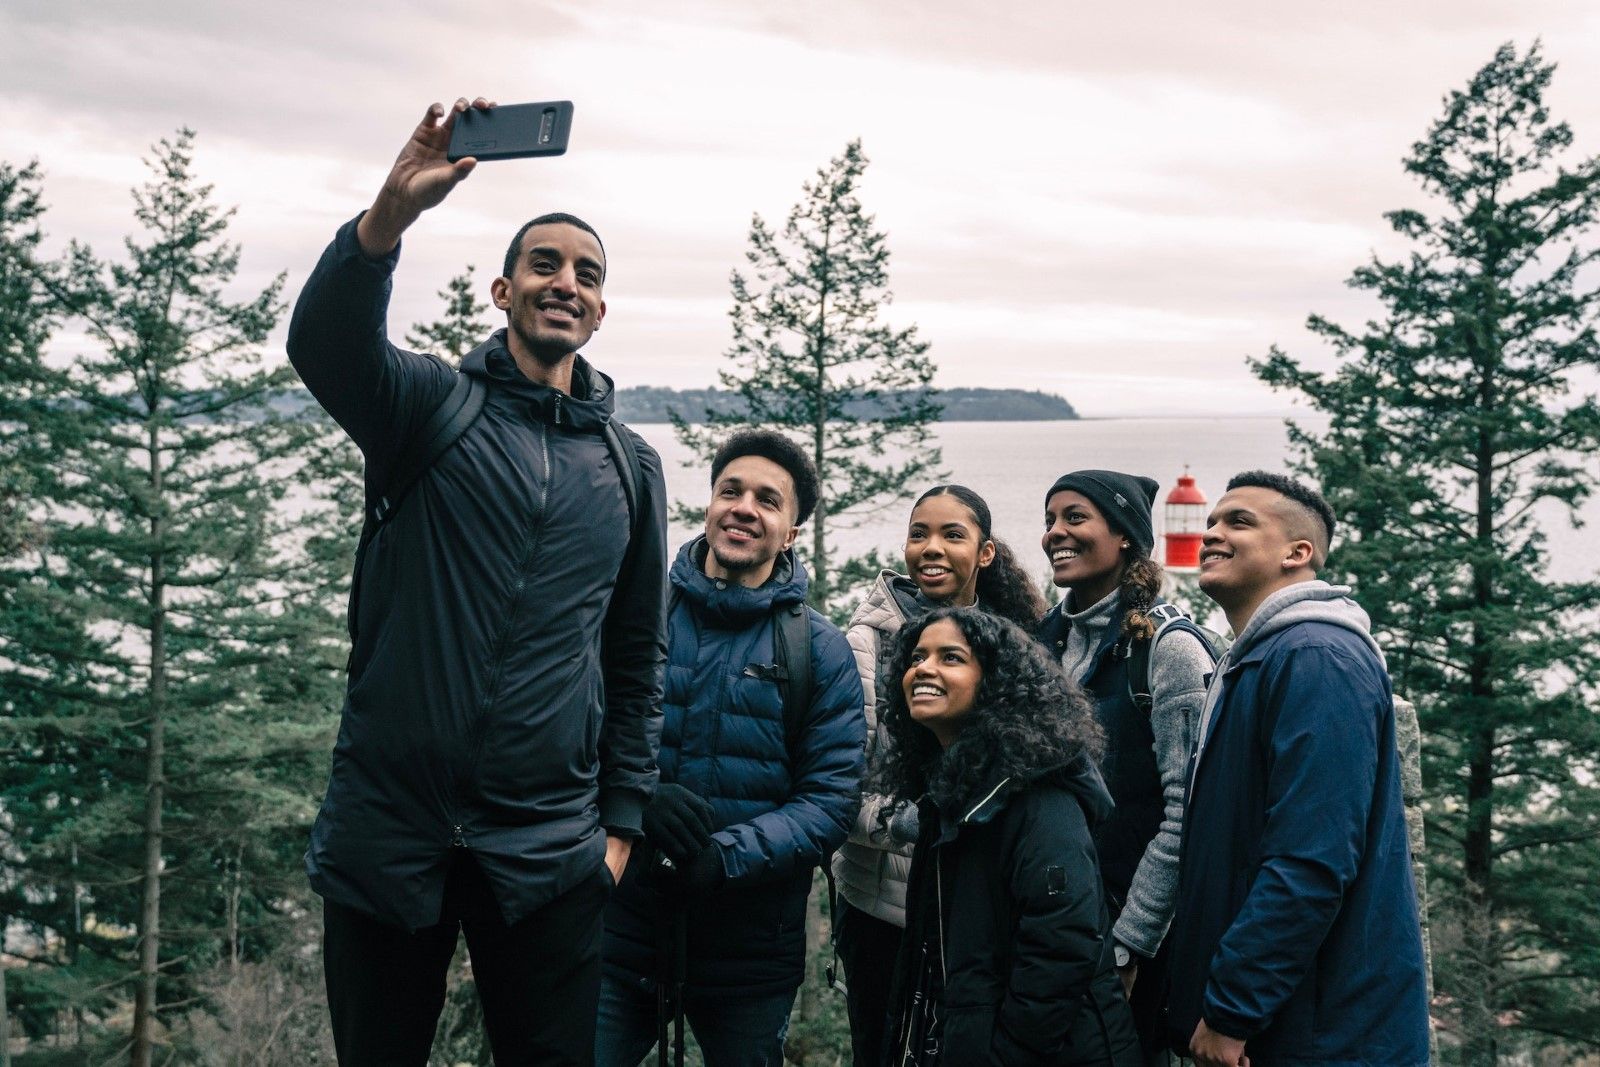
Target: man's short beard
<point x="547" y="352"/>
<point x="738" y="566"/>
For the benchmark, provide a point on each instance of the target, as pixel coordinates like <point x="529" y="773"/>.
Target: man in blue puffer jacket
<point x="748" y="804"/>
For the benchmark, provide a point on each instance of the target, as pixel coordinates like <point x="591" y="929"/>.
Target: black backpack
<point x="443" y="428"/>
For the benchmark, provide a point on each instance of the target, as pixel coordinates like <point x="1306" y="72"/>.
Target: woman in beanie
<point x="1098" y="537"/>
<point x="951" y="558"/>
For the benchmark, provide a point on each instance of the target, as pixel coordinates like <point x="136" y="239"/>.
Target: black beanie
<point x="1124" y="499"/>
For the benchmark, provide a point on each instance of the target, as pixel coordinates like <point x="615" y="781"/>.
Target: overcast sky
<point x="1117" y="203"/>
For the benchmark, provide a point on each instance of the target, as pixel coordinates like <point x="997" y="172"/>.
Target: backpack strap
<point x="791" y="643"/>
<point x="443" y="428"/>
<point x="619" y="442"/>
<point x="1165" y="617"/>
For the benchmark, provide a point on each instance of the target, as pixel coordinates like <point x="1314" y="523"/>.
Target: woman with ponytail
<point x="1098" y="537"/>
<point x="952" y="559"/>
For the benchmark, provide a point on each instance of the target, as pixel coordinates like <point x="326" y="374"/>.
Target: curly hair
<point x="1004" y="588"/>
<point x="774" y="446"/>
<point x="1026" y="718"/>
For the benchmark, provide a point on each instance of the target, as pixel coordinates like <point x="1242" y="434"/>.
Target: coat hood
<point x="728" y="605"/>
<point x="1077" y="776"/>
<point x="588" y="408"/>
<point x="1314" y="601"/>
<point x="892" y="599"/>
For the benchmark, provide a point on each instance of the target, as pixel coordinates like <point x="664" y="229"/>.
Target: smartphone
<point x="512" y="131"/>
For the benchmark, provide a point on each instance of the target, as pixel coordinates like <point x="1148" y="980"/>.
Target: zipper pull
<point x="456" y="838"/>
<point x="558" y="409"/>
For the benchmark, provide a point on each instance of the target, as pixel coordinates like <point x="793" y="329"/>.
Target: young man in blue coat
<point x="750" y="802"/>
<point x="1296" y="938"/>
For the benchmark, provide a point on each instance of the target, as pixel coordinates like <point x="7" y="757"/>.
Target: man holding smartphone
<point x="497" y="746"/>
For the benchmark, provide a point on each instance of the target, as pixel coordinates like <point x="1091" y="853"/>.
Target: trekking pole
<point x="680" y="967"/>
<point x="664" y="968"/>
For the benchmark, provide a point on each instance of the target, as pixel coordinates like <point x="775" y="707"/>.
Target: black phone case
<point x="513" y="131"/>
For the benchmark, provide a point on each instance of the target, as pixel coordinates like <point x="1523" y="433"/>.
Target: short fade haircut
<point x="1302" y="495"/>
<point x="514" y="249"/>
<point x="772" y="445"/>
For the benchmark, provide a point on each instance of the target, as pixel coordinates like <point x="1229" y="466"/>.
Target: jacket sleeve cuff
<point x="348" y="246"/>
<point x="622" y="812"/>
<point x="1229" y="1024"/>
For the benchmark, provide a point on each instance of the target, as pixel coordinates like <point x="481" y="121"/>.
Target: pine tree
<point x="460" y="329"/>
<point x="170" y="653"/>
<point x="807" y="341"/>
<point x="1458" y="424"/>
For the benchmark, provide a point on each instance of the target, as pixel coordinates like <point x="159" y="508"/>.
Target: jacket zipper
<point x="491" y="691"/>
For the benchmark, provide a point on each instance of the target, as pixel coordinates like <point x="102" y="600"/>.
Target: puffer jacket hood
<point x="724" y="605"/>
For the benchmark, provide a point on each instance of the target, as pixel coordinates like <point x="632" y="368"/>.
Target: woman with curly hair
<point x="1148" y="687"/>
<point x="1004" y="959"/>
<point x="951" y="557"/>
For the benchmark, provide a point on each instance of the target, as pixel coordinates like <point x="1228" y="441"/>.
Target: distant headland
<point x="651" y="403"/>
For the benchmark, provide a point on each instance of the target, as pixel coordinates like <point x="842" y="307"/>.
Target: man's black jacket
<point x="505" y="683"/>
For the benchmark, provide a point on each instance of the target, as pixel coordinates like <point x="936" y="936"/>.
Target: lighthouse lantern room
<point x="1184" y="524"/>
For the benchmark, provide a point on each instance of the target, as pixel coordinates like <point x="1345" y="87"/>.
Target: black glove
<point x="704" y="872"/>
<point x="677" y="823"/>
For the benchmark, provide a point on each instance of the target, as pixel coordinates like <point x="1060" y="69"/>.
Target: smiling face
<point x="1252" y="547"/>
<point x="750" y="520"/>
<point x="941" y="683"/>
<point x="552" y="298"/>
<point x="945" y="550"/>
<point x="1086" y="555"/>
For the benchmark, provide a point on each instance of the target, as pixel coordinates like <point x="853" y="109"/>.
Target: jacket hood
<point x="729" y="605"/>
<point x="1078" y="776"/>
<point x="892" y="599"/>
<point x="588" y="408"/>
<point x="1314" y="601"/>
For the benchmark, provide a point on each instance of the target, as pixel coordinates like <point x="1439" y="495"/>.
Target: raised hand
<point x="420" y="179"/>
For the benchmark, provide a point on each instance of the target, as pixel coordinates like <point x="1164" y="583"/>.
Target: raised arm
<point x="338" y="337"/>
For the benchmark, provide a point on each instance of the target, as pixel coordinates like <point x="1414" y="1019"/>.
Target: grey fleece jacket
<point x="1179" y="663"/>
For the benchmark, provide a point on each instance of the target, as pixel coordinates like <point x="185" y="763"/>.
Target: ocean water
<point x="1011" y="464"/>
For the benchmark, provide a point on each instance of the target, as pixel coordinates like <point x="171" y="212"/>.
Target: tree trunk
<point x="1480" y="1006"/>
<point x="144" y="1003"/>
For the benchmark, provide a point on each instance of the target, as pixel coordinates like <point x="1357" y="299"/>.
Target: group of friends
<point x="1092" y="834"/>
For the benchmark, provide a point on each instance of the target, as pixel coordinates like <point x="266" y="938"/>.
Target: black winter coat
<point x="1007" y="896"/>
<point x="505" y="683"/>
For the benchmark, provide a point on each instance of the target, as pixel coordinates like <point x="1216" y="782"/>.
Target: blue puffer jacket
<point x="723" y="738"/>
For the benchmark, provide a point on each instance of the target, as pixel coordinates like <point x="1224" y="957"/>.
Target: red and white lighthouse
<point x="1184" y="524"/>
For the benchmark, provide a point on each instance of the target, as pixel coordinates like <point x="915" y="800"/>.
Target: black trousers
<point x="867" y="949"/>
<point x="538" y="981"/>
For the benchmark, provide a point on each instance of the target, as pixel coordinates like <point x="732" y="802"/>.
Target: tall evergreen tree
<point x="170" y="656"/>
<point x="460" y="329"/>
<point x="1459" y="423"/>
<point x="807" y="342"/>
